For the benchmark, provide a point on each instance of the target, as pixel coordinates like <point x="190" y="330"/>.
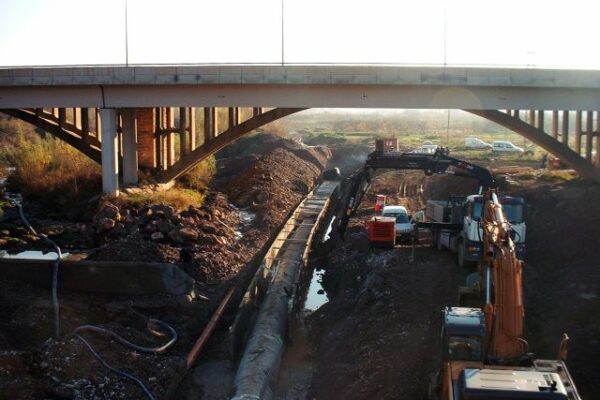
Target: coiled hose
<point x="55" y="264"/>
<point x="152" y="323"/>
<point x="151" y="326"/>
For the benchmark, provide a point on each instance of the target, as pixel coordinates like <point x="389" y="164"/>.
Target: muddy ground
<point x="378" y="336"/>
<point x="217" y="244"/>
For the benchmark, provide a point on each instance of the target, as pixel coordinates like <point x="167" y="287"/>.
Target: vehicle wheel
<point x="438" y="240"/>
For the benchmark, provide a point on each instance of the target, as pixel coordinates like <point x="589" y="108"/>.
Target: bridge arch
<point x="537" y="135"/>
<point x="77" y="133"/>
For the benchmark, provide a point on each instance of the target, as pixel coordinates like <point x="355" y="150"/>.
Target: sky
<point x="521" y="33"/>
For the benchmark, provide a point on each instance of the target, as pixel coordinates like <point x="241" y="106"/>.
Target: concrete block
<point x="114" y="277"/>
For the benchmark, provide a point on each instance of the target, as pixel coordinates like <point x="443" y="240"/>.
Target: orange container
<point x="382" y="231"/>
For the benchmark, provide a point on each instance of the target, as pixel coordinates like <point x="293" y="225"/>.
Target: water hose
<point x="151" y="326"/>
<point x="55" y="264"/>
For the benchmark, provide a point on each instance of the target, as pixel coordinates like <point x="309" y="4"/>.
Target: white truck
<point x="454" y="224"/>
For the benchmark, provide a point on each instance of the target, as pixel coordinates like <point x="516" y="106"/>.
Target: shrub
<point x="49" y="169"/>
<point x="199" y="176"/>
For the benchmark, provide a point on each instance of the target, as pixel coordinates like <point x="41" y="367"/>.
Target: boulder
<point x="156" y="236"/>
<point x="164" y="226"/>
<point x="106" y="224"/>
<point x="188" y="234"/>
<point x="109" y="211"/>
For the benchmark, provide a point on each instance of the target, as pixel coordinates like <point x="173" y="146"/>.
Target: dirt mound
<point x="562" y="277"/>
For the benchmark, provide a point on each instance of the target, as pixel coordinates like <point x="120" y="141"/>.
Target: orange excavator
<point x="483" y="355"/>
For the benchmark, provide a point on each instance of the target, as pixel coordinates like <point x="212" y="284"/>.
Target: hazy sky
<point x="474" y="32"/>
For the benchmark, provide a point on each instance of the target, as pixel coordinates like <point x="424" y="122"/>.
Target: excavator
<point x="483" y="355"/>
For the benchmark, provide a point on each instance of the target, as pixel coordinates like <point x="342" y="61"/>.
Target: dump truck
<point x="455" y="225"/>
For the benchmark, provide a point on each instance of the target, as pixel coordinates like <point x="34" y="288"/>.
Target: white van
<point x="506" y="146"/>
<point x="476" y="143"/>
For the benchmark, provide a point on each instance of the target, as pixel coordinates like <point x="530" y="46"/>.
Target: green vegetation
<point x="48" y="168"/>
<point x="199" y="176"/>
<point x="556" y="176"/>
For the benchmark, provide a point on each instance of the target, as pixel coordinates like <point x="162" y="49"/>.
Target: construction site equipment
<point x="455" y="224"/>
<point x="382" y="231"/>
<point x="379" y="203"/>
<point x="483" y="355"/>
<point x="439" y="162"/>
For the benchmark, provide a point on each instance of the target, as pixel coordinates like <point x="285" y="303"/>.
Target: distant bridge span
<point x="135" y="107"/>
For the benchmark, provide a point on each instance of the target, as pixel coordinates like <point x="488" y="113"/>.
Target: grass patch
<point x="179" y="198"/>
<point x="556" y="176"/>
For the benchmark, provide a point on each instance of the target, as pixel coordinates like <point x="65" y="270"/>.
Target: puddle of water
<point x="316" y="295"/>
<point x="32" y="255"/>
<point x="247" y="217"/>
<point x="327" y="237"/>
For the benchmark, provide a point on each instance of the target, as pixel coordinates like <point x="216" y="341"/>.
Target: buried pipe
<point x="208" y="330"/>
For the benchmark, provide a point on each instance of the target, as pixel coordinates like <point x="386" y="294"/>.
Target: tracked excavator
<point x="483" y="355"/>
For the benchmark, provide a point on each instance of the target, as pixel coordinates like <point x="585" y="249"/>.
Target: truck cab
<point x="513" y="208"/>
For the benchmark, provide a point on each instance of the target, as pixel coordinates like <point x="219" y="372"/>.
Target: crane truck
<point x="454" y="223"/>
<point x="483" y="355"/>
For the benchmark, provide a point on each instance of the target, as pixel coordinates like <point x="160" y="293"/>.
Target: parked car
<point x="476" y="143"/>
<point x="426" y="148"/>
<point x="404" y="224"/>
<point x="504" y="146"/>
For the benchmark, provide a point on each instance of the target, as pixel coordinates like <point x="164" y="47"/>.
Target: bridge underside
<point x="171" y="141"/>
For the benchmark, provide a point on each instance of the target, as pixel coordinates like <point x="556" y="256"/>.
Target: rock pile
<point x="206" y="225"/>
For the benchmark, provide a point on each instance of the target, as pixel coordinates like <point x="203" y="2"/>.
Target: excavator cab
<point x="463" y="334"/>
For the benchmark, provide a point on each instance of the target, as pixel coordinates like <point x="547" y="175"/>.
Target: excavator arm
<point x="505" y="312"/>
<point x="439" y="162"/>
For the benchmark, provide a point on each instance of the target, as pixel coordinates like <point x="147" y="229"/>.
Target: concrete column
<point x="578" y="132"/>
<point x="77" y="117"/>
<point x="589" y="123"/>
<point x="62" y="117"/>
<point x="540" y="119"/>
<point x="192" y="128"/>
<point x="85" y="126"/>
<point x="210" y="123"/>
<point x="110" y="164"/>
<point x="532" y="117"/>
<point x="565" y="127"/>
<point x="170" y="137"/>
<point x="256" y="111"/>
<point x="183" y="135"/>
<point x="555" y="124"/>
<point x="234" y="117"/>
<point x="130" y="156"/>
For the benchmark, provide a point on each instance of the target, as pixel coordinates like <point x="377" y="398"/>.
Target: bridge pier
<point x="110" y="160"/>
<point x="130" y="156"/>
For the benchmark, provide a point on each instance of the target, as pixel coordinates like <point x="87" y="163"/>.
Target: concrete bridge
<point x="133" y="116"/>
